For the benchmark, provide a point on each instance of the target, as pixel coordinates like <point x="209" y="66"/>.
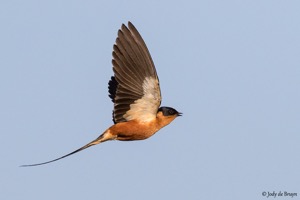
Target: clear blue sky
<point x="231" y="67"/>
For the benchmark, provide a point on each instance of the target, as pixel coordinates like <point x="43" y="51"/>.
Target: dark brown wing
<point x="135" y="87"/>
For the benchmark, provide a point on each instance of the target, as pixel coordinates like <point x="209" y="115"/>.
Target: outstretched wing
<point x="134" y="89"/>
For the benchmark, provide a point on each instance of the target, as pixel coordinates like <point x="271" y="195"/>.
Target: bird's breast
<point x="134" y="130"/>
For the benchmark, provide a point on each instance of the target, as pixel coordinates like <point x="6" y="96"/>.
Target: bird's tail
<point x="102" y="138"/>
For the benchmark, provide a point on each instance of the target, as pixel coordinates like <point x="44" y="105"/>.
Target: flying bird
<point x="134" y="89"/>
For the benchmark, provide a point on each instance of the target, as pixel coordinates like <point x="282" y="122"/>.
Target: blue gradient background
<point x="232" y="67"/>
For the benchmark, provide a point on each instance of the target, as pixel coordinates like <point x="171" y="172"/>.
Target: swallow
<point x="135" y="92"/>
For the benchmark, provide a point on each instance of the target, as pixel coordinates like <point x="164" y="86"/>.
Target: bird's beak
<point x="179" y="114"/>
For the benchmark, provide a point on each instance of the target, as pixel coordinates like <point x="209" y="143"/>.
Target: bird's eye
<point x="171" y="112"/>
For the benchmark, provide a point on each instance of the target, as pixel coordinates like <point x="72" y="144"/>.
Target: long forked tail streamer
<point x="94" y="142"/>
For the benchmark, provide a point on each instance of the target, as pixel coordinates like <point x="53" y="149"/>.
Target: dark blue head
<point x="168" y="111"/>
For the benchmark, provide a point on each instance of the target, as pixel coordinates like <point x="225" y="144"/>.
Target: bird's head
<point x="167" y="114"/>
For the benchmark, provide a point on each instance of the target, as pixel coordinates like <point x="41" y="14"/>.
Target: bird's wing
<point x="134" y="89"/>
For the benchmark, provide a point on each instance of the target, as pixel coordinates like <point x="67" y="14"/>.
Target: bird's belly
<point x="133" y="130"/>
